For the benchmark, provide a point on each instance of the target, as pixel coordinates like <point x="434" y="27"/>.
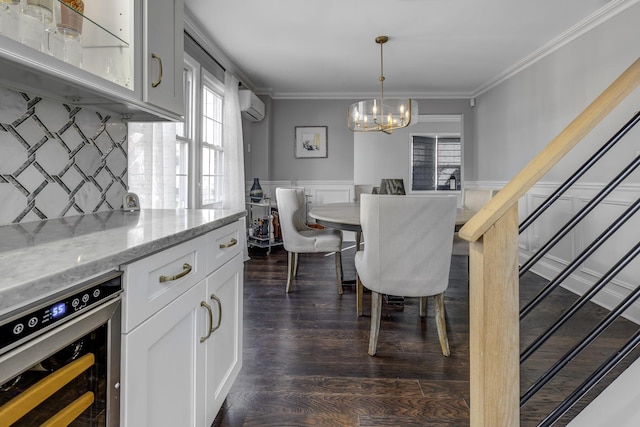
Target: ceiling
<point x="436" y="48"/>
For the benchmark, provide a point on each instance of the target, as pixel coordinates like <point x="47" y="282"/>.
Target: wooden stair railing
<point x="493" y="270"/>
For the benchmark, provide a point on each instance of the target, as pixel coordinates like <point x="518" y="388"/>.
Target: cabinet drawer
<point x="153" y="282"/>
<point x="223" y="244"/>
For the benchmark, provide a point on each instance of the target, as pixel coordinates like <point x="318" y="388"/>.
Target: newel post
<point x="494" y="325"/>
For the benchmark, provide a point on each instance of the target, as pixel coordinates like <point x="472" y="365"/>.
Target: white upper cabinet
<point x="164" y="54"/>
<point x="93" y="52"/>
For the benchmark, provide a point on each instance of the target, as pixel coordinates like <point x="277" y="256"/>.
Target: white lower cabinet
<point x="179" y="364"/>
<point x="224" y="347"/>
<point x="160" y="369"/>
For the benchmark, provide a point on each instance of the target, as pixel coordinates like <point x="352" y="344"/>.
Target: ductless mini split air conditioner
<point x="251" y="106"/>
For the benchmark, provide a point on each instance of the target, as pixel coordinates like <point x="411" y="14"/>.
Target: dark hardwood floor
<point x="306" y="362"/>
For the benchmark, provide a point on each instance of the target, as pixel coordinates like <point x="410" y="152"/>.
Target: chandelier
<point x="380" y="114"/>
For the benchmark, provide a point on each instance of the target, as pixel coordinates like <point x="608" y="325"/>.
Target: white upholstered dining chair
<point x="361" y="189"/>
<point x="408" y="253"/>
<point x="473" y="199"/>
<point x="299" y="238"/>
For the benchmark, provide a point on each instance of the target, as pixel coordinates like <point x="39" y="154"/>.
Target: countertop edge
<point x="27" y="292"/>
<point x="155" y="246"/>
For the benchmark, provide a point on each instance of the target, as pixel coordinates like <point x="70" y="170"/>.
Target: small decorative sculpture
<point x="256" y="193"/>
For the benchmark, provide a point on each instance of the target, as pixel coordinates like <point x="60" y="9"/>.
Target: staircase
<point x="497" y="359"/>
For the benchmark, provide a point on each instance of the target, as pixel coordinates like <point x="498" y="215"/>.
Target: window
<point x="212" y="148"/>
<point x="435" y="160"/>
<point x="183" y="142"/>
<point x="189" y="164"/>
<point x="202" y="131"/>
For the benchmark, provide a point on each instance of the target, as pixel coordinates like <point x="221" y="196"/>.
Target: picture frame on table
<point x="311" y="142"/>
<point x="130" y="202"/>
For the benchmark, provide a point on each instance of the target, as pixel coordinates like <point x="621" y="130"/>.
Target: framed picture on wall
<point x="311" y="142"/>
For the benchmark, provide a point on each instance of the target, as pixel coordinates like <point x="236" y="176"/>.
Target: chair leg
<point x="359" y="292"/>
<point x="441" y="324"/>
<point x="376" y="312"/>
<point x="339" y="273"/>
<point x="423" y="306"/>
<point x="296" y="257"/>
<point x="291" y="269"/>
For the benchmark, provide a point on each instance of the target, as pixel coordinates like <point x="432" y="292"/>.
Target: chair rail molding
<point x="316" y="191"/>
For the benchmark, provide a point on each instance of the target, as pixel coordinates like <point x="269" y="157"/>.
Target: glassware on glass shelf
<point x="66" y="41"/>
<point x="66" y="44"/>
<point x="36" y="19"/>
<point x="71" y="15"/>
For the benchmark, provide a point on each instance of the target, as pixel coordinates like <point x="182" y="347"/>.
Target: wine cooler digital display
<point x="30" y="323"/>
<point x="58" y="310"/>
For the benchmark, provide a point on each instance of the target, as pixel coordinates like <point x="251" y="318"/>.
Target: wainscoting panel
<point x="330" y="194"/>
<point x="577" y="240"/>
<point x="611" y="251"/>
<point x="316" y="191"/>
<point x="546" y="226"/>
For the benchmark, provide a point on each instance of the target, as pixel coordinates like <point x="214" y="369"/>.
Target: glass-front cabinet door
<point x="107" y="41"/>
<point x="103" y="53"/>
<point x="91" y="35"/>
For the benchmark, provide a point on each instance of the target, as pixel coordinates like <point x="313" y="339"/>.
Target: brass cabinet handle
<point x="157" y="82"/>
<point x="233" y="242"/>
<point x="210" y="312"/>
<point x="216" y="299"/>
<point x="186" y="270"/>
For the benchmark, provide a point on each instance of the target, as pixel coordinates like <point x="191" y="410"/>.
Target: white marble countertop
<point x="38" y="259"/>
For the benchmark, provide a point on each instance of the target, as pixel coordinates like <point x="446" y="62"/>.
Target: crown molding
<point x="602" y="15"/>
<point x="368" y="95"/>
<point x="605" y="13"/>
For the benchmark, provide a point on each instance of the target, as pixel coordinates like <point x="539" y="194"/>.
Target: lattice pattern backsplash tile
<point x="58" y="160"/>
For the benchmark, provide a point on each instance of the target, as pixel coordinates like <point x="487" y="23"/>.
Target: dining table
<point x="346" y="216"/>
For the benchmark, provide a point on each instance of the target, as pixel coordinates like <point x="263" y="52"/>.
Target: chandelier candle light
<point x="382" y="115"/>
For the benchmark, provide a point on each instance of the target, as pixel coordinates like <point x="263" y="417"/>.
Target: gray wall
<point x="257" y="151"/>
<point x="510" y="124"/>
<point x="287" y="114"/>
<point x="460" y="107"/>
<point x="272" y="141"/>
<point x="378" y="155"/>
<point x="520" y="116"/>
<point x="517" y="118"/>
